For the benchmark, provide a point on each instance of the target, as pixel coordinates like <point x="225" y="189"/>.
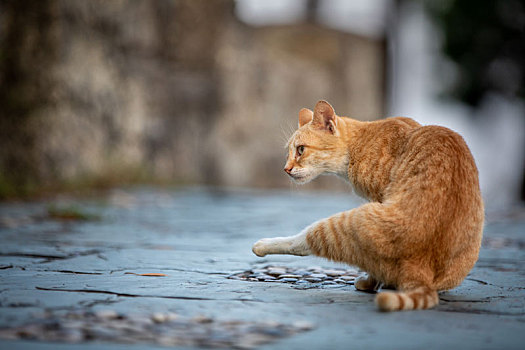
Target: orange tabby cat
<point x="421" y="231"/>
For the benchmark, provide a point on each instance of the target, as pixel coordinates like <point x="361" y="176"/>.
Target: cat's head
<point x="317" y="147"/>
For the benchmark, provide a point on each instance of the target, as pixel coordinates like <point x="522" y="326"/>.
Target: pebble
<point x="326" y="283"/>
<point x="304" y="325"/>
<point x="318" y="275"/>
<point x="339" y="280"/>
<point x="334" y="273"/>
<point x="276" y="271"/>
<point x="313" y="279"/>
<point x="289" y="276"/>
<point x="107" y="314"/>
<point x="347" y="278"/>
<point x="288" y="280"/>
<point x="264" y="277"/>
<point x="159" y="317"/>
<point x="301" y="272"/>
<point x="202" y="319"/>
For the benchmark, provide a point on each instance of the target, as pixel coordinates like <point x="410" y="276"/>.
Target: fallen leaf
<point x="152" y="274"/>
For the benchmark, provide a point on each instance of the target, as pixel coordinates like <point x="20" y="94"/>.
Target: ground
<point x="146" y="268"/>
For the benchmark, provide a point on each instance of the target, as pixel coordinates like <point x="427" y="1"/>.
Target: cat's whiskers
<point x="287" y="133"/>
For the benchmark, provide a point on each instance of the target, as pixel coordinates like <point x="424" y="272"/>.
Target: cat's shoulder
<point x="404" y="121"/>
<point x="437" y="132"/>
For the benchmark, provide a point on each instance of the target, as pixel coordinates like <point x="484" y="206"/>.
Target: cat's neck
<point x="370" y="147"/>
<point x="351" y="130"/>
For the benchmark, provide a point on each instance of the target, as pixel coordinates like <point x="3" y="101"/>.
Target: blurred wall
<point x="165" y="90"/>
<point x="420" y="77"/>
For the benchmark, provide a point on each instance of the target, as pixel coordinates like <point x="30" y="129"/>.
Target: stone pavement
<point x="146" y="268"/>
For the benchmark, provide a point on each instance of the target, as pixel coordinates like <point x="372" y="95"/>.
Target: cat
<point x="421" y="231"/>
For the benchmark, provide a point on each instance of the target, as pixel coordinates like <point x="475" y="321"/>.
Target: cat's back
<point x="436" y="176"/>
<point x="441" y="153"/>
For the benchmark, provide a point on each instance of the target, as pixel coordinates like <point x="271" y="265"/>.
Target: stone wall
<point x="169" y="90"/>
<point x="268" y="74"/>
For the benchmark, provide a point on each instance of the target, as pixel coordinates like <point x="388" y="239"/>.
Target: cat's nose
<point x="288" y="170"/>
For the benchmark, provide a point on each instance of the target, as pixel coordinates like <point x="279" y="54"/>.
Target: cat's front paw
<point x="367" y="284"/>
<point x="260" y="247"/>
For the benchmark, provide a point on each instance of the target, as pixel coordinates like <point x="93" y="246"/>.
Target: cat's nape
<point x="421" y="231"/>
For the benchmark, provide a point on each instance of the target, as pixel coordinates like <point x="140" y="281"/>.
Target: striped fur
<point x="420" y="232"/>
<point x="416" y="299"/>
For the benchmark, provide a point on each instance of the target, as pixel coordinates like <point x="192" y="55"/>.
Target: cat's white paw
<point x="294" y="245"/>
<point x="260" y="247"/>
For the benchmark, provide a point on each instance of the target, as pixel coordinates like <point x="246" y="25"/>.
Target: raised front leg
<point x="361" y="237"/>
<point x="293" y="245"/>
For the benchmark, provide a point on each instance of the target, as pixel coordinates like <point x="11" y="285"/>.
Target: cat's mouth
<point x="299" y="178"/>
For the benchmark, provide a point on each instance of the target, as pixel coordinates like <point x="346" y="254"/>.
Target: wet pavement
<point x="146" y="268"/>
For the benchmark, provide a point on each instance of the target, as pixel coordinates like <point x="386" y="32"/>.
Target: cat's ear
<point x="324" y="116"/>
<point x="305" y="116"/>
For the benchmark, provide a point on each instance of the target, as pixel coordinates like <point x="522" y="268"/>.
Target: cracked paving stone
<point x="78" y="267"/>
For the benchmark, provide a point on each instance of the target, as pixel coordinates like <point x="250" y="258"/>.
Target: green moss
<point x="6" y="188"/>
<point x="15" y="188"/>
<point x="71" y="212"/>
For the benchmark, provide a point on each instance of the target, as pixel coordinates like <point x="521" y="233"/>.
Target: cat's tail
<point x="418" y="298"/>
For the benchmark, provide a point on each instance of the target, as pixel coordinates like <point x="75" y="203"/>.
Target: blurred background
<point x="105" y="93"/>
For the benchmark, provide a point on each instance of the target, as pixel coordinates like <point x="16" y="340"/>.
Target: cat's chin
<point x="301" y="180"/>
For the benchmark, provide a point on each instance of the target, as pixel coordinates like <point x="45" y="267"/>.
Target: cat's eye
<point x="300" y="150"/>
